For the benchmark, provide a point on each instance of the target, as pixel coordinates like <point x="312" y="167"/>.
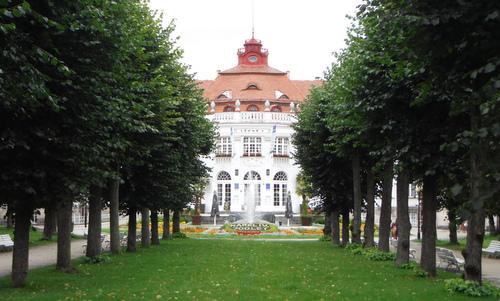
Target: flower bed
<point x="248" y="232"/>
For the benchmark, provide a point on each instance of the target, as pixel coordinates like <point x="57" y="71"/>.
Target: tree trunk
<point x="385" y="209"/>
<point x="498" y="224"/>
<point x="132" y="230"/>
<point x="8" y="216"/>
<point x="356" y="182"/>
<point x="176" y="228"/>
<point x="345" y="227"/>
<point x="64" y="214"/>
<point x="475" y="230"/>
<point x="327" y="229"/>
<point x="429" y="207"/>
<point x="114" y="215"/>
<point x="94" y="231"/>
<point x="335" y="227"/>
<point x="50" y="224"/>
<point x="491" y="222"/>
<point x="155" y="240"/>
<point x="145" y="234"/>
<point x="452" y="226"/>
<point x="20" y="255"/>
<point x="403" y="220"/>
<point x="166" y="224"/>
<point x="369" y="232"/>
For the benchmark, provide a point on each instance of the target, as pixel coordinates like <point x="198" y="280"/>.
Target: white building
<point x="253" y="106"/>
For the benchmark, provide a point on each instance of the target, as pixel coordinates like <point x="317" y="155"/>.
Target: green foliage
<point x="373" y="254"/>
<point x="178" y="235"/>
<point x="325" y="238"/>
<point x="471" y="288"/>
<point x="97" y="260"/>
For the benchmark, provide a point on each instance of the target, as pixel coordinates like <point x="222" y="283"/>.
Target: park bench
<point x="493" y="249"/>
<point x="6" y="244"/>
<point x="447" y="258"/>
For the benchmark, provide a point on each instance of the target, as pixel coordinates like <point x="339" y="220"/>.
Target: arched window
<point x="252" y="108"/>
<point x="252" y="86"/>
<point x="224" y="176"/>
<point x="280" y="176"/>
<point x="280" y="188"/>
<point x="283" y="97"/>
<point x="229" y="109"/>
<point x="222" y="96"/>
<point x="275" y="109"/>
<point x="253" y="176"/>
<point x="224" y="189"/>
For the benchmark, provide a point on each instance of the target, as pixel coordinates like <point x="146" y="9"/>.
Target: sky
<point x="301" y="35"/>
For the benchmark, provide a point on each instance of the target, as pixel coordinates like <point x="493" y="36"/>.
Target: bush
<point x="471" y="288"/>
<point x="97" y="259"/>
<point x="325" y="238"/>
<point x="377" y="255"/>
<point x="178" y="235"/>
<point x="370" y="253"/>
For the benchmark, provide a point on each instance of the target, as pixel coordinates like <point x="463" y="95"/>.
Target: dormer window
<point x="280" y="95"/>
<point x="252" y="86"/>
<point x="225" y="95"/>
<point x="252" y="108"/>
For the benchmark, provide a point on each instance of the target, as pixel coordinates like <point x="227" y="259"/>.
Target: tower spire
<point x="253" y="18"/>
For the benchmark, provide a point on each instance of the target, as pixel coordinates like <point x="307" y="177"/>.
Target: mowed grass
<point x="191" y="269"/>
<point x="35" y="236"/>
<point x="463" y="241"/>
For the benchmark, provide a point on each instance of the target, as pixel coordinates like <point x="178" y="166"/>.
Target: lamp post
<point x="419" y="196"/>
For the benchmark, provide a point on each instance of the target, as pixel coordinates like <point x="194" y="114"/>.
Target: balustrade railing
<point x="265" y="117"/>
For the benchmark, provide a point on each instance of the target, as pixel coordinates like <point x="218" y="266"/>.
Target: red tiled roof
<point x="267" y="84"/>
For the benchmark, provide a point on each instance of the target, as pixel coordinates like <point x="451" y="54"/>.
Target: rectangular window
<point x="219" y="194"/>
<point x="224" y="147"/>
<point x="413" y="191"/>
<point x="280" y="148"/>
<point x="257" y="195"/>
<point x="284" y="194"/>
<point x="276" y="194"/>
<point x="227" y="198"/>
<point x="252" y="146"/>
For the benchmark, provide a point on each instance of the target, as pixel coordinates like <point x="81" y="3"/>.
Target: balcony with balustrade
<point x="253" y="117"/>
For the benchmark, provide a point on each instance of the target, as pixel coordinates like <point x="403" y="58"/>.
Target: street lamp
<point x="419" y="200"/>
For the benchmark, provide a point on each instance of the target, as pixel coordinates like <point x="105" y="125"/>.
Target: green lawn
<point x="191" y="269"/>
<point x="446" y="243"/>
<point x="35" y="236"/>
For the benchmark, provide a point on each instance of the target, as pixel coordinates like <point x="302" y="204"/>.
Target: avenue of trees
<point x="414" y="96"/>
<point x="94" y="106"/>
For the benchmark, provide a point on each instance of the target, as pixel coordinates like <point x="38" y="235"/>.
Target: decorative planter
<point x="306" y="220"/>
<point x="196" y="220"/>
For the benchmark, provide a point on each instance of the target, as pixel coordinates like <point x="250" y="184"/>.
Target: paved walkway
<point x="40" y="256"/>
<point x="490" y="266"/>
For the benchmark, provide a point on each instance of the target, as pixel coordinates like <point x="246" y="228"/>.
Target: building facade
<point x="254" y="107"/>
